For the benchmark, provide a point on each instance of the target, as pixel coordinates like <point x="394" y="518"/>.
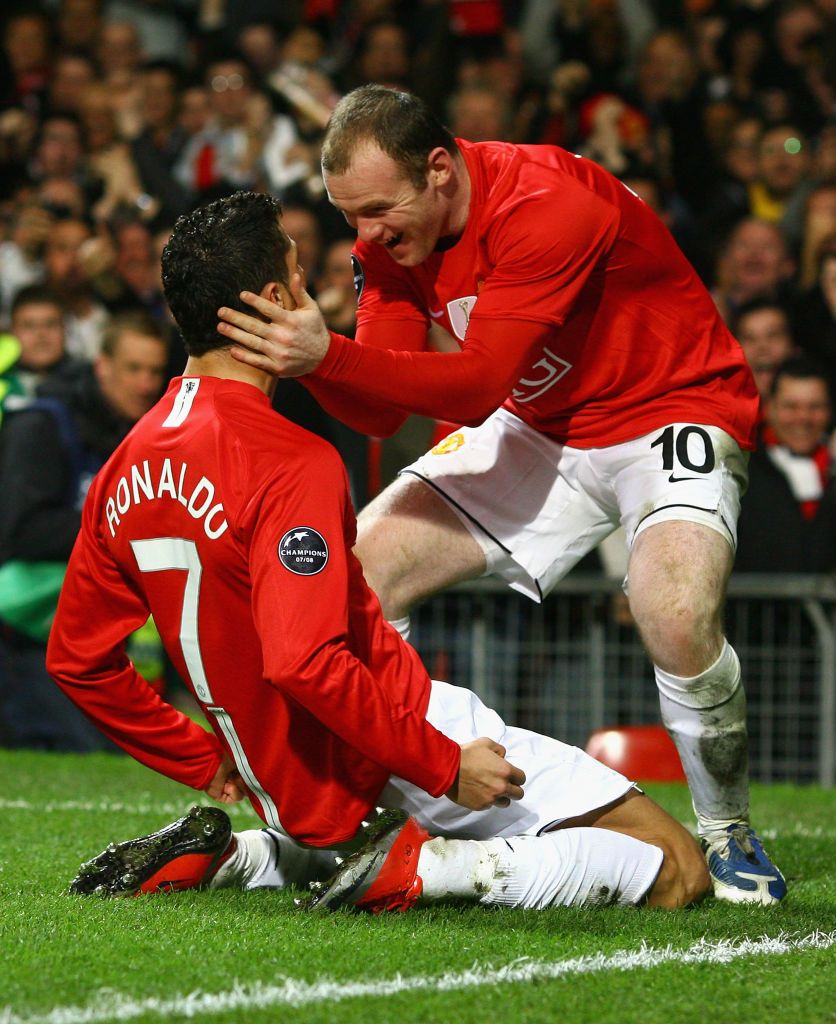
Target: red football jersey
<point x="572" y="303"/>
<point x="234" y="528"/>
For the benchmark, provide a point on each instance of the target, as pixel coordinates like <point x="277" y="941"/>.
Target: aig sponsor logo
<point x="451" y="443"/>
<point x="303" y="551"/>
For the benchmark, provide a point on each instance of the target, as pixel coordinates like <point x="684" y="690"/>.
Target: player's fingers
<point x="243" y="320"/>
<point x="272" y="310"/>
<point x="516" y="776"/>
<point x="244" y="355"/>
<point x="497" y="748"/>
<point x="255" y="342"/>
<point x="502" y="801"/>
<point x="514" y="792"/>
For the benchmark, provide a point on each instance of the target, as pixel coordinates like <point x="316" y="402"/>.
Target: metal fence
<point x="572" y="664"/>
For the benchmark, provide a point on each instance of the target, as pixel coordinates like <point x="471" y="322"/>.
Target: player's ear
<point x="272" y="292"/>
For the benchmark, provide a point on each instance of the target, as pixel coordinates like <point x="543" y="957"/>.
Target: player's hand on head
<point x="279" y="341"/>
<point x="485" y="778"/>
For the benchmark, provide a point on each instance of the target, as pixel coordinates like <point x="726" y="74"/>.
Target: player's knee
<point x="678" y="621"/>
<point x="683" y="644"/>
<point x="366" y="545"/>
<point x="683" y="878"/>
<point x="371" y="549"/>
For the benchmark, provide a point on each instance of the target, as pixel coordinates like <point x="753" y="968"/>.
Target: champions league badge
<point x="359" y="276"/>
<point x="303" y="551"/>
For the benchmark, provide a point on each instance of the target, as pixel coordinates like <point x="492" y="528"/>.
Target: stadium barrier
<point x="573" y="664"/>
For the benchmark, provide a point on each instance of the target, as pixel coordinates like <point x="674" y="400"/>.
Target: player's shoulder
<point x="266" y="438"/>
<point x="510" y="173"/>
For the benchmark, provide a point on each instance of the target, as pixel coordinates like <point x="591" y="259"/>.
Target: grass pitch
<point x="238" y="957"/>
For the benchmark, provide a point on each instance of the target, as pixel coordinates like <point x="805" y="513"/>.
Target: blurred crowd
<point x="117" y="116"/>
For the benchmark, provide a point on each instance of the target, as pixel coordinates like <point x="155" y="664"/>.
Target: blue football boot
<point x="741" y="870"/>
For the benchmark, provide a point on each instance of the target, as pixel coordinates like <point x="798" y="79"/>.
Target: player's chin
<point x="405" y="256"/>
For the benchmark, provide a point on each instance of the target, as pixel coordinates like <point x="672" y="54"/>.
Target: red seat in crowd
<point x="637" y="751"/>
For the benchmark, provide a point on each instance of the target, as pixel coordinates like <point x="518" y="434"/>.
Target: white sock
<point x="570" y="867"/>
<point x="706" y="718"/>
<point x="456" y="868"/>
<point x="265" y="858"/>
<point x="401" y="625"/>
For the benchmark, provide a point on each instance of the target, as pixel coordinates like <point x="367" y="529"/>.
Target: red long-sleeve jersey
<point x="234" y="528"/>
<point x="573" y="306"/>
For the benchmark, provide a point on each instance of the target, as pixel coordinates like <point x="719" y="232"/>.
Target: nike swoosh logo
<point x="435" y="315"/>
<point x="678" y="479"/>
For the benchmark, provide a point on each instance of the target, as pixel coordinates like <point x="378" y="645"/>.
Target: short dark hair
<point x="35" y="295"/>
<point x="758" y="305"/>
<point x="137" y="320"/>
<point x="400" y="124"/>
<point x="216" y="252"/>
<point x="800" y="368"/>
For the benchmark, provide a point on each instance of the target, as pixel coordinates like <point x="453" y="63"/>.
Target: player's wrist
<point x="330" y="361"/>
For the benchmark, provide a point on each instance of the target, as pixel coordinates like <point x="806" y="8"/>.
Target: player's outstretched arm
<point x="485" y="778"/>
<point x="279" y="341"/>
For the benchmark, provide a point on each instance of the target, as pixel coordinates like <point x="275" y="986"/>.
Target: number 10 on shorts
<point x="689" y="448"/>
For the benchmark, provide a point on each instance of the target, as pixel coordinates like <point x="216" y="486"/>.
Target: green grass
<point x="67" y="952"/>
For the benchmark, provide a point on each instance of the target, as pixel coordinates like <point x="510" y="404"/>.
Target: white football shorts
<point x="561" y="781"/>
<point x="536" y="506"/>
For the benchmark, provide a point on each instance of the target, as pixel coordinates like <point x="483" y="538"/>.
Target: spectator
<point x="49" y="452"/>
<point x="161" y="33"/>
<point x="815" y="317"/>
<point x="819" y="225"/>
<point x="62" y="197"/>
<point x="120" y="57"/>
<point x="195" y="109"/>
<point x="824" y="156"/>
<point x="72" y="72"/>
<point x="754" y="263"/>
<point x="78" y="24"/>
<point x="26" y="43"/>
<point x="740" y="168"/>
<point x="778" y="191"/>
<point x="160" y="142"/>
<point x="479" y="113"/>
<point x="297" y="73"/>
<point x="616" y="135"/>
<point x="763" y="329"/>
<point x="245" y="143"/>
<point x="21" y="254"/>
<point x="382" y="55"/>
<point x="119" y="51"/>
<point x="59" y="149"/>
<point x="260" y="45"/>
<point x="102" y="130"/>
<point x="335" y="290"/>
<point x="668" y="91"/>
<point x="788" y="518"/>
<point x="136" y="270"/>
<point x="794" y="80"/>
<point x="300" y="222"/>
<point x="743" y="48"/>
<point x="545" y="44"/>
<point x="72" y="258"/>
<point x="38" y="327"/>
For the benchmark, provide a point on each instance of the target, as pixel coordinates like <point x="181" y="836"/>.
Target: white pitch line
<point x="296" y="993"/>
<point x="113" y="806"/>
